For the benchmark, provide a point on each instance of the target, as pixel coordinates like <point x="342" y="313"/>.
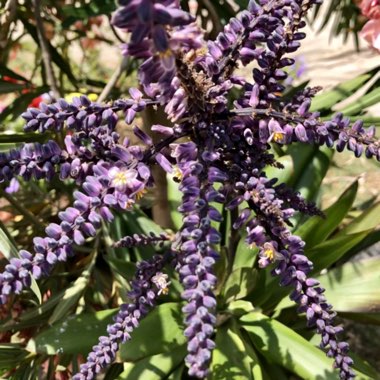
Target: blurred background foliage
<point x="47" y="332"/>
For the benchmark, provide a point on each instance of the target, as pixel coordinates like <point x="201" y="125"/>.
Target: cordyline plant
<point x="216" y="152"/>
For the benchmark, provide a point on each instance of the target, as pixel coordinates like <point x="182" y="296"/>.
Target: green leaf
<point x="155" y="367"/>
<point x="7" y="246"/>
<point x="330" y="251"/>
<point x="338" y="93"/>
<point x="11" y="354"/>
<point x="311" y="178"/>
<point x="354" y="286"/>
<point x="365" y="101"/>
<point x="36" y="290"/>
<point x="301" y="156"/>
<point x="72" y="294"/>
<point x="240" y="283"/>
<point x="240" y="307"/>
<point x="114" y="371"/>
<point x="283" y="175"/>
<point x="316" y="230"/>
<point x="372" y="238"/>
<point x="72" y="336"/>
<point x="229" y="358"/>
<point x="245" y="256"/>
<point x="177" y="374"/>
<point x="174" y="198"/>
<point x="159" y="332"/>
<point x="366" y="221"/>
<point x="285" y="347"/>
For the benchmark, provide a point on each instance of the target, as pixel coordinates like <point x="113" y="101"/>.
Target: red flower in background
<point x="35" y="103"/>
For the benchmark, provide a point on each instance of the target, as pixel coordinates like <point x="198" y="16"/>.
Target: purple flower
<point x="148" y="284"/>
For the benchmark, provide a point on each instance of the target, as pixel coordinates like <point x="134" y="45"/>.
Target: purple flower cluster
<point x="267" y="229"/>
<point x="149" y="22"/>
<point x="115" y="186"/>
<point x="31" y="160"/>
<point x="217" y="154"/>
<point x="142" y="298"/>
<point x="82" y="114"/>
<point x="196" y="254"/>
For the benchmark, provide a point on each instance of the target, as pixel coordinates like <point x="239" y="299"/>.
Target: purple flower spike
<point x="148" y="284"/>
<point x="196" y="260"/>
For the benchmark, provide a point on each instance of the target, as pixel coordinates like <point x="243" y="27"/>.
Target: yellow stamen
<point x="120" y="179"/>
<point x="269" y="253"/>
<point x="177" y="173"/>
<point x="278" y="137"/>
<point x="140" y="194"/>
<point x="165" y="54"/>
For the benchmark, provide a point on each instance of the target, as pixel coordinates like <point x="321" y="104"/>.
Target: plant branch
<point x="46" y="57"/>
<point x="114" y="78"/>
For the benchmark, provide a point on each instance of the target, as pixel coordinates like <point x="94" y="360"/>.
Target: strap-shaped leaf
<point x="63" y="337"/>
<point x="329" y="98"/>
<point x="230" y="359"/>
<point x="354" y="287"/>
<point x="159" y="332"/>
<point x="316" y="230"/>
<point x="156" y="367"/>
<point x="285" y="347"/>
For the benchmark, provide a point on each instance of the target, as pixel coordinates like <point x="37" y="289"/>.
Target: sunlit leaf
<point x="317" y="229"/>
<point x="285" y="347"/>
<point x="174" y="198"/>
<point x="354" y="286"/>
<point x="62" y="338"/>
<point x="155" y="367"/>
<point x="229" y="358"/>
<point x="159" y="332"/>
<point x="329" y="98"/>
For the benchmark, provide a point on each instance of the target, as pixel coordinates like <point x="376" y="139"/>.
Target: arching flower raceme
<point x="147" y="285"/>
